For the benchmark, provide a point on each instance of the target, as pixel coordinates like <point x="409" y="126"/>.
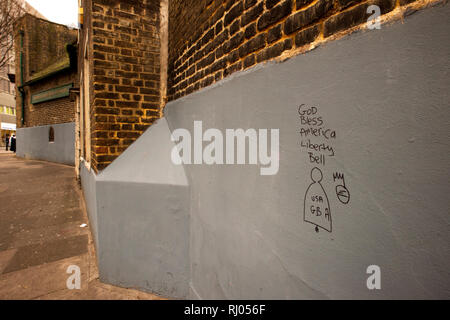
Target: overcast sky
<point x="59" y="11"/>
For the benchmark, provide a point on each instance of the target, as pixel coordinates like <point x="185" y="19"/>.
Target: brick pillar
<point x="125" y="75"/>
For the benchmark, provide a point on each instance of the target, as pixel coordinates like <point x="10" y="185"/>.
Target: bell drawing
<point x="316" y="205"/>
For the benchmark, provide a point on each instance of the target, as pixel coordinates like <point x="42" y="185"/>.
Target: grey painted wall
<point x="32" y="143"/>
<point x="139" y="208"/>
<point x="385" y="93"/>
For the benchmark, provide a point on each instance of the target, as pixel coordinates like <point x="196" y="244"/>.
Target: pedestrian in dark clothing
<point x="13" y="143"/>
<point x="7" y="142"/>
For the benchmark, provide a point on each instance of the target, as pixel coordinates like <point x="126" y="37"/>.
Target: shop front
<point x="6" y="130"/>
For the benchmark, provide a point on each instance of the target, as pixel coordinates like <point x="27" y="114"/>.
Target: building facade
<point x="7" y="103"/>
<point x="46" y="57"/>
<point x="7" y="112"/>
<point x="7" y="88"/>
<point x="341" y="90"/>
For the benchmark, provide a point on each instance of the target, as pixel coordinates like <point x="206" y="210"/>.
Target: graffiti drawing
<point x="342" y="192"/>
<point x="316" y="205"/>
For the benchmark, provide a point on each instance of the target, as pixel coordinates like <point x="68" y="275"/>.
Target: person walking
<point x="13" y="143"/>
<point x="7" y="142"/>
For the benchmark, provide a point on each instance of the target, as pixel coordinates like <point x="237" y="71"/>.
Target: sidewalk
<point x="41" y="213"/>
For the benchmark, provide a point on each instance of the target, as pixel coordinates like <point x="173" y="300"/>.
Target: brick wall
<point x="44" y="44"/>
<point x="208" y="41"/>
<point x="50" y="112"/>
<point x="211" y="39"/>
<point x="124" y="56"/>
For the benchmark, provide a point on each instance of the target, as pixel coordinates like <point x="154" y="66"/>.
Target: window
<point x="51" y="135"/>
<point x="8" y="110"/>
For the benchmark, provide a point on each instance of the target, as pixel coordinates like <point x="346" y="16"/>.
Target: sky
<point x="59" y="11"/>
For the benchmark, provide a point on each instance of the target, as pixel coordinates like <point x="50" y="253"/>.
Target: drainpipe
<point x="21" y="90"/>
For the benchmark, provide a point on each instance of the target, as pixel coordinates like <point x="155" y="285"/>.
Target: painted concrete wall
<point x="240" y="235"/>
<point x="386" y="94"/>
<point x="139" y="208"/>
<point x="33" y="143"/>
